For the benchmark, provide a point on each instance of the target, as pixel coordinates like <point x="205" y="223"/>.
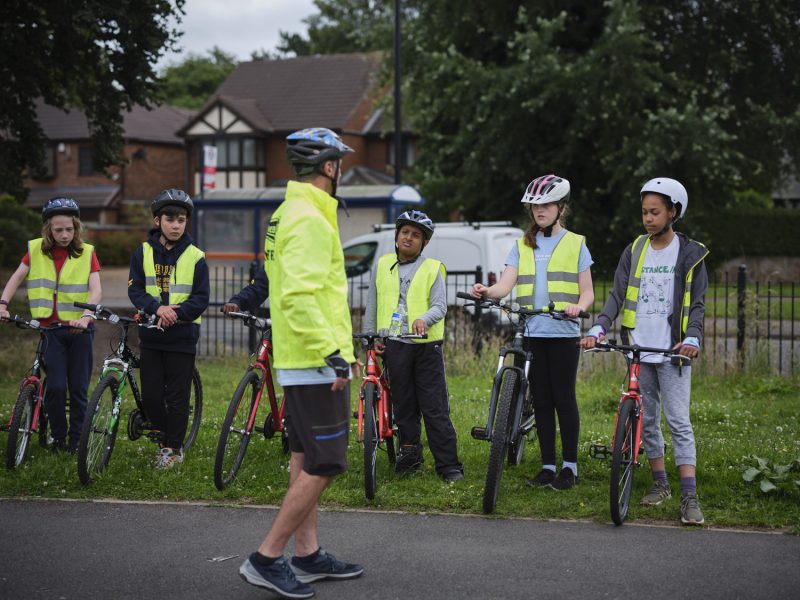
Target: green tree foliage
<point x="93" y="55"/>
<point x="607" y="95"/>
<point x="17" y="225"/>
<point x="190" y="82"/>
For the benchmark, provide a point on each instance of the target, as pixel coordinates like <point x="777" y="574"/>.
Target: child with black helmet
<point x="169" y="278"/>
<point x="409" y="288"/>
<point x="659" y="287"/>
<point x="61" y="269"/>
<point x="550" y="264"/>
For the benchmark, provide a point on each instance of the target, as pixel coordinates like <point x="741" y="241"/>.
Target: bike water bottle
<point x="395" y="328"/>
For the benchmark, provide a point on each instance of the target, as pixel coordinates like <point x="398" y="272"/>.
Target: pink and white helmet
<point x="546" y="189"/>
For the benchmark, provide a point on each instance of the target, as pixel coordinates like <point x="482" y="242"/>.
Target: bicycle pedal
<point x="355" y="415"/>
<point x="258" y="429"/>
<point x="479" y="433"/>
<point x="599" y="451"/>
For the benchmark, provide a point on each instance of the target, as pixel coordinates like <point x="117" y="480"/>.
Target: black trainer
<point x="277" y="577"/>
<point x="409" y="460"/>
<point x="543" y="477"/>
<point x="453" y="475"/>
<point x="324" y="566"/>
<point x="564" y="480"/>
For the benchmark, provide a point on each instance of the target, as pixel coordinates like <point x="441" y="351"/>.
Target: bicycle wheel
<point x="19" y="431"/>
<point x="234" y="437"/>
<point x="622" y="462"/>
<point x="99" y="431"/>
<point x="195" y="410"/>
<point x="500" y="435"/>
<point x="370" y="437"/>
<point x="517" y="440"/>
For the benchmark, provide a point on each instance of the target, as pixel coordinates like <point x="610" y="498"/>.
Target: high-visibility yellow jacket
<point x="304" y="263"/>
<point x="387" y="285"/>
<point x="562" y="272"/>
<point x="180" y="288"/>
<point x="71" y="285"/>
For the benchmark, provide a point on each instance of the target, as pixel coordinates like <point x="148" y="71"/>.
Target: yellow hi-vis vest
<point x="638" y="250"/>
<point x="562" y="272"/>
<point x="180" y="285"/>
<point x="387" y="285"/>
<point x="71" y="285"/>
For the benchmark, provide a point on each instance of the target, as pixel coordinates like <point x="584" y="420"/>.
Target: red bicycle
<point x="240" y="419"/>
<point x="375" y="417"/>
<point x="627" y="441"/>
<point x="29" y="415"/>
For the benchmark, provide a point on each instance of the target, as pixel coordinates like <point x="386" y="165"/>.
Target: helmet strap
<point x="548" y="231"/>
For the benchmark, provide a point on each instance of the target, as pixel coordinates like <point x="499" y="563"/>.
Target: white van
<point x="462" y="247"/>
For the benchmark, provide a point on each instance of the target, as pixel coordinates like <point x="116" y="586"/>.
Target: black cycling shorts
<point x="317" y="422"/>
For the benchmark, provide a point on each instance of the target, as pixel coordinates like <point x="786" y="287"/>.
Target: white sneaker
<point x="168" y="458"/>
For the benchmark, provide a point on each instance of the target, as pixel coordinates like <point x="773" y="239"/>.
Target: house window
<point x="236" y="153"/>
<point x="86" y="161"/>
<point x="47" y="170"/>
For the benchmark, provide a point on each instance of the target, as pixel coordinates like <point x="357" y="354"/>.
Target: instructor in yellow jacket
<point x="313" y="341"/>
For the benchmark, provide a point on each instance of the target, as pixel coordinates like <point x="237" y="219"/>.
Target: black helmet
<point x="172" y="197"/>
<point x="60" y="206"/>
<point x="307" y="149"/>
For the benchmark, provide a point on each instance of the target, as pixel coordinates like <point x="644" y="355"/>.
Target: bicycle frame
<point x="634" y="394"/>
<point x="377" y="376"/>
<point x="262" y="364"/>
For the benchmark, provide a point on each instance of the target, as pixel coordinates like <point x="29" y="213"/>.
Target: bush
<point x="115" y="248"/>
<point x="17" y="225"/>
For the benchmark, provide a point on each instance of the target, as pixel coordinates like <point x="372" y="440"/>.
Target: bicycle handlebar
<point x="251" y="320"/>
<point x="513" y="307"/>
<point x="142" y="319"/>
<point x="34" y="324"/>
<point x="612" y="346"/>
<point x="371" y="336"/>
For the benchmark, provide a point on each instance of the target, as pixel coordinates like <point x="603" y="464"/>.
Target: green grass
<point x="733" y="417"/>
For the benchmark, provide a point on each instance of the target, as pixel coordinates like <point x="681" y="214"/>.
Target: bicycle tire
<point x="517" y="441"/>
<point x="500" y="436"/>
<point x="99" y="431"/>
<point x="19" y="431"/>
<point x="370" y="439"/>
<point x="234" y="437"/>
<point x="195" y="410"/>
<point x="622" y="462"/>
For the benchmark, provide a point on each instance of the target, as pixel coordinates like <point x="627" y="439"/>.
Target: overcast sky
<point x="238" y="26"/>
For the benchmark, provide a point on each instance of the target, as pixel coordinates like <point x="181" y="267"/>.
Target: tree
<point x="91" y="55"/>
<point x="190" y="82"/>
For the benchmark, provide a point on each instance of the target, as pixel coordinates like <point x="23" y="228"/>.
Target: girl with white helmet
<point x="659" y="289"/>
<point x="550" y="264"/>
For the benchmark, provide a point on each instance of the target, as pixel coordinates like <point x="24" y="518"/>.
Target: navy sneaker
<point x="564" y="480"/>
<point x="277" y="577"/>
<point x="409" y="460"/>
<point x="543" y="477"/>
<point x="453" y="475"/>
<point x="324" y="566"/>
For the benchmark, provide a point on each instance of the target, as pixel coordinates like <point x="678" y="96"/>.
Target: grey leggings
<point x="663" y="384"/>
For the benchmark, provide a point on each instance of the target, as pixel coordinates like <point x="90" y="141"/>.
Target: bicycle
<point x="240" y="419"/>
<point x="626" y="444"/>
<point x="29" y="415"/>
<point x="101" y="423"/>
<point x="376" y="426"/>
<point x="511" y="417"/>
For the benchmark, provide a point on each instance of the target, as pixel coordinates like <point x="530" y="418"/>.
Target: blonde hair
<point x="533" y="228"/>
<point x="75" y="248"/>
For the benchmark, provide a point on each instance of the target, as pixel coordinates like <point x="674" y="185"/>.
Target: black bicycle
<point x="511" y="418"/>
<point x="103" y="411"/>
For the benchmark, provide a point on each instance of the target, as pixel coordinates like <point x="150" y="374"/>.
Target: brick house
<point x="156" y="159"/>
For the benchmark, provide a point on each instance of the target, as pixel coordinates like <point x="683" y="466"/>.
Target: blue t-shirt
<point x="544" y="326"/>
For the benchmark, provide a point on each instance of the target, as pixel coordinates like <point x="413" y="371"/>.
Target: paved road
<point x="99" y="550"/>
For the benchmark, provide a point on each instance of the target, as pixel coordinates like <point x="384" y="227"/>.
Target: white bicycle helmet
<point x="670" y="189"/>
<point x="546" y="189"/>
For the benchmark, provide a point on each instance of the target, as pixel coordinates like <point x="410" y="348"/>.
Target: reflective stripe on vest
<point x="181" y="280"/>
<point x="562" y="272"/>
<point x="387" y="285"/>
<point x="638" y="250"/>
<point x="70" y="286"/>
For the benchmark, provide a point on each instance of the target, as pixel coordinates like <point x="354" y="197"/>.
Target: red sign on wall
<point x="209" y="167"/>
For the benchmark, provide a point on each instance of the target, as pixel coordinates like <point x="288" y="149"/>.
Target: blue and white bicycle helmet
<point x="60" y="206"/>
<point x="307" y="149"/>
<point x="418" y="219"/>
<point x="671" y="189"/>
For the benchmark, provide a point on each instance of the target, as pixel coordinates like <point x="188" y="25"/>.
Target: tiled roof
<point x="292" y="93"/>
<point x="158" y="125"/>
<point x="89" y="196"/>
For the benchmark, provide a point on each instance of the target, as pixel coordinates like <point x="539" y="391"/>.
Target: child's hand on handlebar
<point x="594" y="335"/>
<point x="573" y="310"/>
<point x="379" y="347"/>
<point x="230" y="307"/>
<point x="687" y="350"/>
<point x="167" y="317"/>
<point x="418" y="327"/>
<point x="478" y="290"/>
